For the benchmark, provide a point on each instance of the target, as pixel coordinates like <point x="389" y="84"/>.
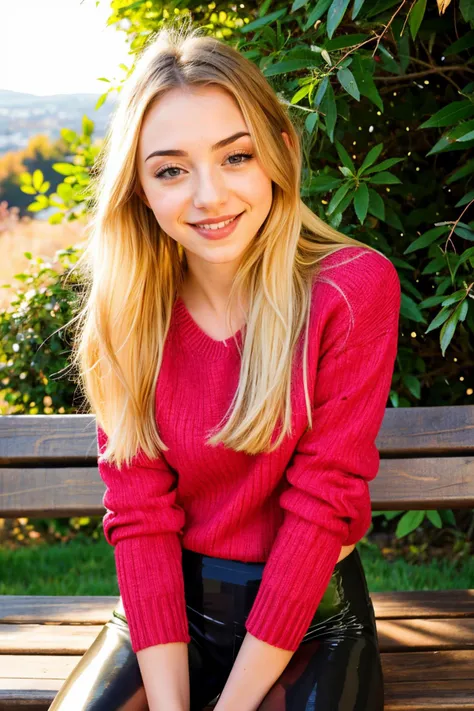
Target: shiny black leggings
<point x="336" y="667"/>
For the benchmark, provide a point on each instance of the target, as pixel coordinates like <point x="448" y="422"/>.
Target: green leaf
<point x="385" y="178"/>
<point x="450" y="115"/>
<point x="297" y="4"/>
<point x="37" y="179"/>
<point x="439" y="319"/>
<point x="344" y="156"/>
<point x="426" y="239"/>
<point x="348" y="82"/>
<point x="465" y="256"/>
<point x="467" y="137"/>
<point x="35" y="207"/>
<point x="466" y="9"/>
<point x="413" y="385"/>
<point x="328" y="107"/>
<point x="410" y="310"/>
<point x="323" y="85"/>
<point x="376" y="205"/>
<point x="338" y="196"/>
<point x="448" y="516"/>
<point x="361" y="202"/>
<point x="28" y="189"/>
<point x="64" y="168"/>
<point x="388" y="163"/>
<point x="464" y="42"/>
<point x="363" y="69"/>
<point x="335" y="14"/>
<point x="46" y="186"/>
<point x="416" y="17"/>
<point x="316" y="13"/>
<point x="448" y="330"/>
<point x="371" y="157"/>
<point x="64" y="191"/>
<point x="311" y="121"/>
<point x="56" y="218"/>
<point x="408" y="522"/>
<point x="261" y="21"/>
<point x="300" y="94"/>
<point x="87" y="126"/>
<point x="356" y="8"/>
<point x="290" y="65"/>
<point x="26" y="178"/>
<point x="435" y="518"/>
<point x="323" y="183"/>
<point x="28" y="255"/>
<point x="454" y="298"/>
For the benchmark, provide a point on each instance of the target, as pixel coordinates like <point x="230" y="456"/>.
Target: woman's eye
<point x="164" y="174"/>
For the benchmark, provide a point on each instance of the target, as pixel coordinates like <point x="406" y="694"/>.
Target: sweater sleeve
<point x="326" y="502"/>
<point x="143" y="523"/>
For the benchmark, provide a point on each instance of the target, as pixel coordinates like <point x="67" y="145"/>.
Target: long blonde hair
<point x="133" y="269"/>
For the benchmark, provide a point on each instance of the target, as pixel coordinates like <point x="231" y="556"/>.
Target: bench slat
<point x="420" y="667"/>
<point x="26" y="678"/>
<point x="432" y="696"/>
<point x="394" y="636"/>
<point x="400" y="484"/>
<point x="97" y="609"/>
<point x="408" y="431"/>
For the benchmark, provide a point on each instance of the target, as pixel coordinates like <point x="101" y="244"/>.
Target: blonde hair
<point x="133" y="269"/>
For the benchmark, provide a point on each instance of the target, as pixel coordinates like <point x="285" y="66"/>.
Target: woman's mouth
<point x="219" y="230"/>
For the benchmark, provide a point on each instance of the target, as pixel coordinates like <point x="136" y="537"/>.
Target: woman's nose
<point x="209" y="189"/>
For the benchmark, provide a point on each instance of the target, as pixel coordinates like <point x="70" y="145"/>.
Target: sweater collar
<point x="194" y="338"/>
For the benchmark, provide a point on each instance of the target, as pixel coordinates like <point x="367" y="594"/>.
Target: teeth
<point x="218" y="225"/>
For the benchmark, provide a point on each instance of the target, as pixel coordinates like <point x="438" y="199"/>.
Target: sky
<point x="59" y="46"/>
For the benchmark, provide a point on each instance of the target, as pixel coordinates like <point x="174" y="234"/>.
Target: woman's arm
<point x="165" y="674"/>
<point x="257" y="667"/>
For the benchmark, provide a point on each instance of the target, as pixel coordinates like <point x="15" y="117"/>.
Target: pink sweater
<point x="293" y="508"/>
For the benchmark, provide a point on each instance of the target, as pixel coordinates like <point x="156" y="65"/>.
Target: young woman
<point x="238" y="354"/>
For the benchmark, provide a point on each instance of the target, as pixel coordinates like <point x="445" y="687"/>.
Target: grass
<point x="88" y="568"/>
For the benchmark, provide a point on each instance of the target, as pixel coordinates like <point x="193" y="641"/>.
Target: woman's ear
<point x="139" y="191"/>
<point x="286" y="138"/>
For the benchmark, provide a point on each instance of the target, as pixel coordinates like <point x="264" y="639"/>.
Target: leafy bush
<point x="383" y="99"/>
<point x="33" y="353"/>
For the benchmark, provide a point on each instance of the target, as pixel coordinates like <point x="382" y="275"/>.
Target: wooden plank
<point x="423" y="604"/>
<point x="47" y="639"/>
<point x="422" y="667"/>
<point x="411" y="431"/>
<point x="37" y="666"/>
<point x="435" y="682"/>
<point x="423" y="635"/>
<point x="435" y="696"/>
<point x="394" y="636"/>
<point x="97" y="609"/>
<point x="400" y="484"/>
<point x="56" y="609"/>
<point x="426" y="431"/>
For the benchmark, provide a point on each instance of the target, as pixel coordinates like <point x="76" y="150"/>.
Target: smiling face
<point x="205" y="181"/>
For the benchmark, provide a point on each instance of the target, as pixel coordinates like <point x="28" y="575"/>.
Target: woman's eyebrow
<point x="215" y="147"/>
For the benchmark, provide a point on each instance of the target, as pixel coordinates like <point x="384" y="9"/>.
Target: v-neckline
<point x="199" y="340"/>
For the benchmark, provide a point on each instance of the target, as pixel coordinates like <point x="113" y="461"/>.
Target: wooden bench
<point x="48" y="467"/>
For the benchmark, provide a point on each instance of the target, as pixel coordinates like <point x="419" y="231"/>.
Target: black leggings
<point x="336" y="666"/>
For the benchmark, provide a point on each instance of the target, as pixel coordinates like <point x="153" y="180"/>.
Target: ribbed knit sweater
<point x="293" y="508"/>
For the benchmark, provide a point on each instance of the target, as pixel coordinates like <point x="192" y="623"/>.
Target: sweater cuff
<point x="159" y="620"/>
<point x="151" y="584"/>
<point x="280" y="618"/>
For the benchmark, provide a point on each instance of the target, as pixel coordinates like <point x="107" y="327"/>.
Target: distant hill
<point x="23" y="115"/>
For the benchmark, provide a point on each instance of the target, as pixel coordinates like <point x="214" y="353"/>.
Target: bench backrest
<point x="48" y="463"/>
